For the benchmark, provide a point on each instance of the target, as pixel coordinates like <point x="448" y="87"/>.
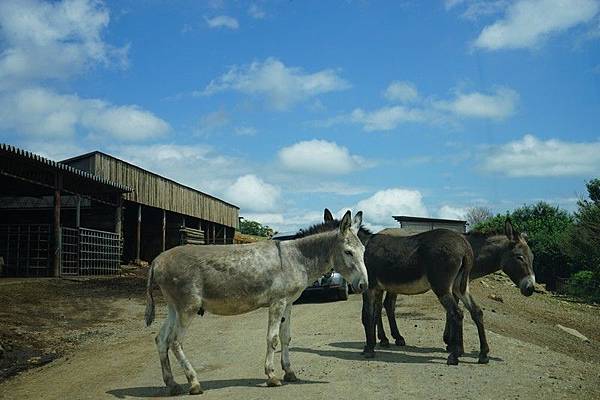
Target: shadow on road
<point x="392" y="354"/>
<point x="162" y="391"/>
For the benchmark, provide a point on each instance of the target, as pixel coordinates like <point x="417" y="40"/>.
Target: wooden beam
<point x="164" y="230"/>
<point x="77" y="211"/>
<point x="138" y="234"/>
<point x="119" y="216"/>
<point x="56" y="225"/>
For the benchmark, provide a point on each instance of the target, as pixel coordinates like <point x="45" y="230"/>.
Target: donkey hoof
<point x="174" y="389"/>
<point x="290" y="377"/>
<point x="452" y="360"/>
<point x="400" y="342"/>
<point x="483" y="359"/>
<point x="369" y="353"/>
<point x="384" y="343"/>
<point x="196" y="389"/>
<point x="274" y="381"/>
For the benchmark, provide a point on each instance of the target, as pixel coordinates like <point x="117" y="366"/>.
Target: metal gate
<point x="25" y="249"/>
<point x="88" y="252"/>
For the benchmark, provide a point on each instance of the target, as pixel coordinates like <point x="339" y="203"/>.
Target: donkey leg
<point x="276" y="311"/>
<point x="183" y="322"/>
<point x="163" y="341"/>
<point x="383" y="340"/>
<point x="369" y="318"/>
<point x="477" y="316"/>
<point x="285" y="335"/>
<point x="447" y="331"/>
<point x="456" y="318"/>
<point x="390" y="310"/>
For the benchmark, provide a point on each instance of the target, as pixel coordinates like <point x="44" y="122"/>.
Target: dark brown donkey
<point x="440" y="260"/>
<point x="508" y="252"/>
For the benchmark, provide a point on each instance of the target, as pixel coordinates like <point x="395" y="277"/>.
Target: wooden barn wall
<point x="155" y="191"/>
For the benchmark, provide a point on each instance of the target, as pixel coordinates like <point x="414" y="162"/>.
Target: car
<point x="332" y="283"/>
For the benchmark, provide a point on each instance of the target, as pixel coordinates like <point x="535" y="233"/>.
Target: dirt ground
<point x="86" y="340"/>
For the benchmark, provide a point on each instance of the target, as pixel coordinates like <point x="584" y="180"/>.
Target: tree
<point x="476" y="215"/>
<point x="547" y="228"/>
<point x="249" y="227"/>
<point x="583" y="244"/>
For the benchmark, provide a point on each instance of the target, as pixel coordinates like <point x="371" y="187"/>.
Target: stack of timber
<point x="191" y="236"/>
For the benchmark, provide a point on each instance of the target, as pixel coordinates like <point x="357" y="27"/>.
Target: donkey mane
<point x="325" y="227"/>
<point x="484" y="235"/>
<point x="317" y="228"/>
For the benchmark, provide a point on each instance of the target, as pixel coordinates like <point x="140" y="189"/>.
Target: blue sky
<point x="419" y="108"/>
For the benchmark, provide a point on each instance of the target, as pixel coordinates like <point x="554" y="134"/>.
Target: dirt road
<point x="118" y="358"/>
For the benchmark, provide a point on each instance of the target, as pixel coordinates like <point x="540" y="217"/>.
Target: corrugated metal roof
<point x="406" y="218"/>
<point x="59" y="166"/>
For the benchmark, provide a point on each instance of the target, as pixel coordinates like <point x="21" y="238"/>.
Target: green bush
<point x="584" y="284"/>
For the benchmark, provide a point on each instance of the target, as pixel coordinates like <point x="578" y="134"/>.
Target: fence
<point x="88" y="252"/>
<point x="25" y="249"/>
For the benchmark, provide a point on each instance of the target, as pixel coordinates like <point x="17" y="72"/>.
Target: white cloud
<point x="45" y="113"/>
<point x="282" y="86"/>
<point x="319" y="157"/>
<point x="379" y="208"/>
<point x="256" y="12"/>
<point x="531" y="156"/>
<point x="404" y="92"/>
<point x="449" y="212"/>
<point x="213" y="121"/>
<point x="222" y="21"/>
<point x="499" y="105"/>
<point x="44" y="40"/>
<point x="386" y="118"/>
<point x="482" y="8"/>
<point x="251" y="193"/>
<point x="528" y="22"/>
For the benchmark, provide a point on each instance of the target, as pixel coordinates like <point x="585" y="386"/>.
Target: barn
<point x="88" y="214"/>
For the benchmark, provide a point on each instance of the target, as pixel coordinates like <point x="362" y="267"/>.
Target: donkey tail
<point x="461" y="281"/>
<point x="149" y="315"/>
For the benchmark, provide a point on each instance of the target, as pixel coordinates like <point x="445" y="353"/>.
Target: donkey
<point x="236" y="279"/>
<point x="440" y="260"/>
<point x="508" y="252"/>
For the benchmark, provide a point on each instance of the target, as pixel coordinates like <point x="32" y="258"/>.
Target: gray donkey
<point x="236" y="279"/>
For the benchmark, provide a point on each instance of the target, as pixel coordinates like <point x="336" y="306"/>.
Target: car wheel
<point x="343" y="293"/>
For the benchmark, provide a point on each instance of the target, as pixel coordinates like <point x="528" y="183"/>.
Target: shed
<point x="422" y="224"/>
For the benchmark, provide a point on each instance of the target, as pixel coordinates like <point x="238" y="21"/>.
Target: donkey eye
<point x="348" y="252"/>
<point x="520" y="258"/>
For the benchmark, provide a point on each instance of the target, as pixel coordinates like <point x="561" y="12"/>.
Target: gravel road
<point x="228" y="353"/>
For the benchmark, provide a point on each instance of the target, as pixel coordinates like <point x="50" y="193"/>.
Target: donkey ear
<point x="346" y="222"/>
<point x="357" y="222"/>
<point x="327" y="216"/>
<point x="509" y="231"/>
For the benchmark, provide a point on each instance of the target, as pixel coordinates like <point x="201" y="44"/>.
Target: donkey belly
<point x="417" y="286"/>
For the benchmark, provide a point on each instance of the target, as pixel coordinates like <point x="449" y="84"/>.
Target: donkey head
<point x="349" y="252"/>
<point x="517" y="261"/>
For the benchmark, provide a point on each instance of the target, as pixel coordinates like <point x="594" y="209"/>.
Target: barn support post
<point x="119" y="216"/>
<point x="214" y="234"/>
<point x="78" y="211"/>
<point x="56" y="225"/>
<point x="163" y="241"/>
<point x="138" y="234"/>
<point x="224" y="235"/>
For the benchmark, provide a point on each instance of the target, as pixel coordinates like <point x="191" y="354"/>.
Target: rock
<point x="573" y="332"/>
<point x="496" y="297"/>
<point x="34" y="360"/>
<point x="484" y="284"/>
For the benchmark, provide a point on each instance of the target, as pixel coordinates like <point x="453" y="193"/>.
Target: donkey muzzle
<point x="527" y="285"/>
<point x="359" y="285"/>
